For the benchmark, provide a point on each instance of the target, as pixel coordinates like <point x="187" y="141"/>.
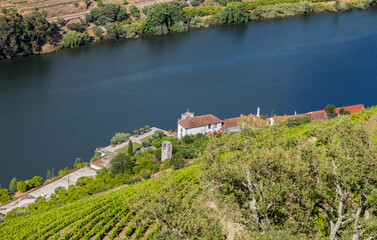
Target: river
<point x="60" y="106"/>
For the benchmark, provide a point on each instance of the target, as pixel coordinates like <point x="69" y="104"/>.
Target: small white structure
<point x="191" y="125"/>
<point x="166" y="150"/>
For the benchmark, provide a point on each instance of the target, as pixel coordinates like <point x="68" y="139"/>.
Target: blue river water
<point x="60" y="106"/>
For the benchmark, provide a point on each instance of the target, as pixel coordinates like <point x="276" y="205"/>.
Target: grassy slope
<point x="175" y="204"/>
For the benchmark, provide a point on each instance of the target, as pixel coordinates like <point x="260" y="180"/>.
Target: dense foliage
<point x="22" y="35"/>
<point x="316" y="180"/>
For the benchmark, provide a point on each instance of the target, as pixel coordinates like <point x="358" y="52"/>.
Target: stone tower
<point x="166" y="150"/>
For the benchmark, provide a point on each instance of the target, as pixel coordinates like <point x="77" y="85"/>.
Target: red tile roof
<point x="321" y="114"/>
<point x="233" y="122"/>
<point x="193" y="122"/>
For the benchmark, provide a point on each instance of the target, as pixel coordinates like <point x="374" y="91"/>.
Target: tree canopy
<point x="23" y="35"/>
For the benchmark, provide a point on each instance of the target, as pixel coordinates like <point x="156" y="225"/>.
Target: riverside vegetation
<point x="317" y="180"/>
<point x="24" y="35"/>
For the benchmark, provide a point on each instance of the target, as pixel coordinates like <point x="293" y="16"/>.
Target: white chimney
<point x="295" y="112"/>
<point x="258" y="112"/>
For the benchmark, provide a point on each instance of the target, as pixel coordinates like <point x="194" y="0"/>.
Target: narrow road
<point x="79" y="15"/>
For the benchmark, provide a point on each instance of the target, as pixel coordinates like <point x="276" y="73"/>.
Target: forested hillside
<point x="313" y="181"/>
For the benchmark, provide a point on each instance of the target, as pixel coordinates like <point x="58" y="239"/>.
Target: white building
<point x="191" y="125"/>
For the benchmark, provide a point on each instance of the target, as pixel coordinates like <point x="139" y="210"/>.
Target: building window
<point x="209" y="125"/>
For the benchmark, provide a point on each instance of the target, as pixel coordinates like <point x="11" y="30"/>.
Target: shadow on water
<point x="23" y="71"/>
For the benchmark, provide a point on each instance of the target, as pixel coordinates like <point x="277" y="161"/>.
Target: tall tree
<point x="13" y="186"/>
<point x="130" y="148"/>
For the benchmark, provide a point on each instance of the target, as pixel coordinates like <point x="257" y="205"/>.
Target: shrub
<point x="60" y="20"/>
<point x="57" y="190"/>
<point x="72" y="39"/>
<point x="2" y="219"/>
<point x="21" y="186"/>
<point x="176" y="161"/>
<point x="125" y="2"/>
<point x="85" y="37"/>
<point x="146" y="175"/>
<point x="39" y="198"/>
<point x="37" y="181"/>
<point x="179" y="27"/>
<point x="155" y="135"/>
<point x="294" y="122"/>
<point x="198" y="22"/>
<point x="75" y="27"/>
<point x="136" y="132"/>
<point x="188" y="153"/>
<point x="187" y="139"/>
<point x="100" y="3"/>
<point x="196" y="2"/>
<point x="97" y="32"/>
<point x="284" y="9"/>
<point x="129" y="30"/>
<point x="141" y="130"/>
<point x="76" y="4"/>
<point x="145" y="143"/>
<point x="147" y="127"/>
<point x="160" y="133"/>
<point x="4" y="196"/>
<point x="342" y="111"/>
<point x="160" y="30"/>
<point x="120" y="137"/>
<point x="103" y="20"/>
<point x="134" y="11"/>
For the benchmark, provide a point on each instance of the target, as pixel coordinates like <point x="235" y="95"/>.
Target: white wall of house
<point x="202" y="129"/>
<point x="95" y="166"/>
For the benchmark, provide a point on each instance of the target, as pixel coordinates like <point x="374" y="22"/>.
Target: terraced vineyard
<point x="138" y="212"/>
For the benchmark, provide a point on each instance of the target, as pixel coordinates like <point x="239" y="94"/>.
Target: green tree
<point x="22" y="187"/>
<point x="111" y="30"/>
<point x="130" y="148"/>
<point x="29" y="184"/>
<point x="121" y="163"/>
<point x="13" y="186"/>
<point x="342" y="111"/>
<point x="85" y="37"/>
<point x="97" y="12"/>
<point x="4" y="196"/>
<point x="136" y="132"/>
<point x="37" y="181"/>
<point x="147" y="127"/>
<point x="156" y="16"/>
<point x="48" y="174"/>
<point x="78" y="163"/>
<point x="330" y="109"/>
<point x="23" y="35"/>
<point x="97" y="32"/>
<point x="72" y="39"/>
<point x="134" y="11"/>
